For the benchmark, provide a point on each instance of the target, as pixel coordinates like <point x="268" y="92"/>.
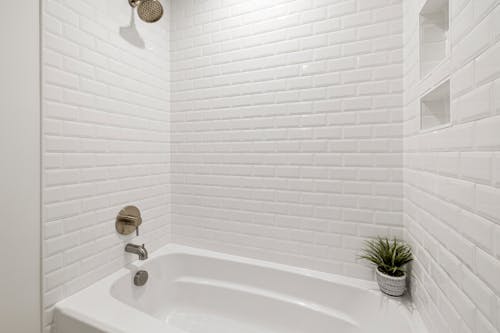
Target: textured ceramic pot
<point x="391" y="285"/>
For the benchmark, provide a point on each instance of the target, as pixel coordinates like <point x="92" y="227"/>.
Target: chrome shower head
<point x="148" y="10"/>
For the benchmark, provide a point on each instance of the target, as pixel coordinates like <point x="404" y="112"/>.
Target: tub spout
<point x="140" y="250"/>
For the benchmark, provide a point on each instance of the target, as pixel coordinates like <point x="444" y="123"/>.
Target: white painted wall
<point x="452" y="188"/>
<point x="286" y="128"/>
<point x="20" y="304"/>
<point x="106" y="103"/>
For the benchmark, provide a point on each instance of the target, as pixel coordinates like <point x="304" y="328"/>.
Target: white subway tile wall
<point x="287" y="128"/>
<point x="452" y="192"/>
<point x="277" y="130"/>
<point x="106" y="139"/>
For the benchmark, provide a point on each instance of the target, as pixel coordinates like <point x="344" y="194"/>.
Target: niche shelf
<point x="434" y="35"/>
<point x="435" y="108"/>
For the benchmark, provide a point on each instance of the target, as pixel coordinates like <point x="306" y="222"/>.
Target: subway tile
<point x="487" y="201"/>
<point x="487" y="66"/>
<point x="476" y="166"/>
<point x="478" y="229"/>
<point x="488" y="269"/>
<point x="478" y="291"/>
<point x="81" y="121"/>
<point x="483" y="325"/>
<point x="496" y="97"/>
<point x="474" y="42"/>
<point x="486" y="132"/>
<point x="462" y="80"/>
<point x="496" y="169"/>
<point x="298" y="121"/>
<point x="474" y="105"/>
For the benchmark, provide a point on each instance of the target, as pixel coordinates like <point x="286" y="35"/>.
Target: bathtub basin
<point x="198" y="291"/>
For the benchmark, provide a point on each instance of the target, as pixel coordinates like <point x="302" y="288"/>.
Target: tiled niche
<point x="434" y="34"/>
<point x="435" y="108"/>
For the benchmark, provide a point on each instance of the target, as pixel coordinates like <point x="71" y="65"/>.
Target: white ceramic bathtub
<point x="197" y="291"/>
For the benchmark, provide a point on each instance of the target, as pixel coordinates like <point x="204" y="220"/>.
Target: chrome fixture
<point x="140" y="250"/>
<point x="128" y="220"/>
<point x="140" y="278"/>
<point x="148" y="10"/>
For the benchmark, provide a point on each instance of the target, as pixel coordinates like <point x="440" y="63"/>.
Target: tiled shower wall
<point x="287" y="141"/>
<point x="452" y="175"/>
<point x="105" y="139"/>
<point x="287" y="128"/>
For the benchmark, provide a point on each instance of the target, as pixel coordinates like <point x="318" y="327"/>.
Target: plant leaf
<point x="389" y="256"/>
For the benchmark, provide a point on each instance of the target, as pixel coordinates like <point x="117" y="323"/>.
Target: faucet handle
<point x="128" y="220"/>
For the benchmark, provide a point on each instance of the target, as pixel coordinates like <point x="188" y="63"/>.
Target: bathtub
<point x="198" y="291"/>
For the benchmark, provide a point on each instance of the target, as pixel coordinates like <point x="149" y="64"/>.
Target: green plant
<point x="389" y="256"/>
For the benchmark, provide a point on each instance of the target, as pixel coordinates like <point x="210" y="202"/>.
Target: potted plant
<point x="390" y="257"/>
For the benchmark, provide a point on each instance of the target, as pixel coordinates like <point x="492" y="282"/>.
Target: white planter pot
<point x="391" y="285"/>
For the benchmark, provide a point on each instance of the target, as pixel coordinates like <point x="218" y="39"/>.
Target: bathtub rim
<point x="80" y="305"/>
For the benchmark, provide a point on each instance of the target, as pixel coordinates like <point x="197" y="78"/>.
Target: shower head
<point x="148" y="10"/>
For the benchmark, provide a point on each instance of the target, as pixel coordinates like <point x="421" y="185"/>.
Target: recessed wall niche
<point x="434" y="39"/>
<point x="435" y="108"/>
